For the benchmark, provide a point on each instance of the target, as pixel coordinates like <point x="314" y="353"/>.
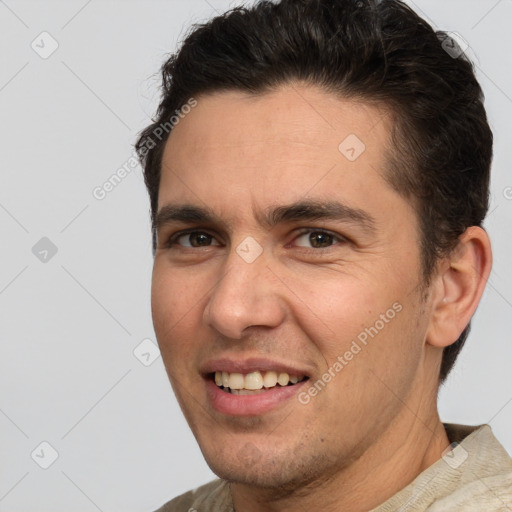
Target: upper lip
<point x="253" y="364"/>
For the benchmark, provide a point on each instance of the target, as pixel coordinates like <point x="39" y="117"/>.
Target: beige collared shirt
<point x="476" y="476"/>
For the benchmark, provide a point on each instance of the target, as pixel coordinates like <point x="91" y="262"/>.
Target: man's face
<point x="261" y="286"/>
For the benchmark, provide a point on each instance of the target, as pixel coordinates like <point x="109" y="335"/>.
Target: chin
<point x="281" y="472"/>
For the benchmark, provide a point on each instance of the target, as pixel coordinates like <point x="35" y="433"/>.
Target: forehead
<point x="287" y="144"/>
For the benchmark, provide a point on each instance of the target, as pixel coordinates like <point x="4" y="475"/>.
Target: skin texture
<point x="374" y="427"/>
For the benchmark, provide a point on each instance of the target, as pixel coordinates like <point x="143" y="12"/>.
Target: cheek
<point x="164" y="304"/>
<point x="373" y="321"/>
<point x="173" y="294"/>
<point x="175" y="307"/>
<point x="340" y="308"/>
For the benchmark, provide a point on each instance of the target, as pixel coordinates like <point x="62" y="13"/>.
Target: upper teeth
<point x="255" y="380"/>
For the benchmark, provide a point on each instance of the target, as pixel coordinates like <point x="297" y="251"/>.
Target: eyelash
<point x="337" y="238"/>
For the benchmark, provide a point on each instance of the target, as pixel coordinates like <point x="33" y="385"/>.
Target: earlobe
<point x="459" y="287"/>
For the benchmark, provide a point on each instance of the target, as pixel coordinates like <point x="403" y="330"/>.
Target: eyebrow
<point x="272" y="216"/>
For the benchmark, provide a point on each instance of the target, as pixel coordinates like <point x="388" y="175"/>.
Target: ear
<point x="458" y="287"/>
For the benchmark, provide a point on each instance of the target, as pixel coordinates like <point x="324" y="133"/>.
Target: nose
<point x="247" y="295"/>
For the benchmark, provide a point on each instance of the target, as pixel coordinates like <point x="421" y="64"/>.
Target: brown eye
<point x="195" y="239"/>
<point x="321" y="240"/>
<point x="317" y="239"/>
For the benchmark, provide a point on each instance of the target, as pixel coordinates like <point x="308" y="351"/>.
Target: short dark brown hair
<point x="377" y="51"/>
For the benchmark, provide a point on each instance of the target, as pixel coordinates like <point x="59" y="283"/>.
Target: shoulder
<point x="481" y="469"/>
<point x="491" y="493"/>
<point x="213" y="496"/>
<point x="475" y="475"/>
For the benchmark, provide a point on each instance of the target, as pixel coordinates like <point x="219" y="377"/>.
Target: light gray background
<point x="69" y="326"/>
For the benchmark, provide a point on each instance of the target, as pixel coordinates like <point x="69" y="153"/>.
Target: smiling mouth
<point x="254" y="382"/>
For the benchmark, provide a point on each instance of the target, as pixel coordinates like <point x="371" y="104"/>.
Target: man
<point x="318" y="174"/>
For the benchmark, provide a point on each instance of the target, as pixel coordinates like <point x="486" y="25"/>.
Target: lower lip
<point x="249" y="405"/>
